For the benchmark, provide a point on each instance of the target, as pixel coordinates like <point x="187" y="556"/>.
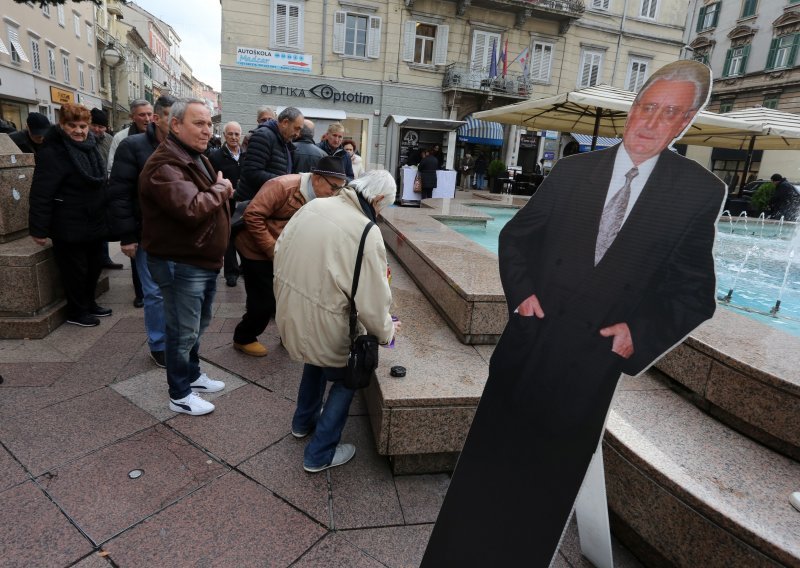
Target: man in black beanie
<point x="29" y="141"/>
<point x="99" y="128"/>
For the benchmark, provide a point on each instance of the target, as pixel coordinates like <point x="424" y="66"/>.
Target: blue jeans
<point x="327" y="426"/>
<point x="153" y="303"/>
<point x="480" y="181"/>
<point x="188" y="293"/>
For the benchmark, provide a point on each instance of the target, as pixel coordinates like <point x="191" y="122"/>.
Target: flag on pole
<point x="505" y="59"/>
<point x="493" y="61"/>
<point x="523" y="58"/>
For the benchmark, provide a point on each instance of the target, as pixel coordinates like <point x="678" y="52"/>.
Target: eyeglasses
<point x="334" y="187"/>
<point x="666" y="114"/>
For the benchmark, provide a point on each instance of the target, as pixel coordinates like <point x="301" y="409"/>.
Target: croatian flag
<point x="523" y="58"/>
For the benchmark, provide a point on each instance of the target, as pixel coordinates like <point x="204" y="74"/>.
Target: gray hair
<point x="178" y="110"/>
<point x="335" y="127"/>
<point x="136" y="103"/>
<point x="307" y="131"/>
<point x="266" y="108"/>
<point x="374" y="184"/>
<point x="289" y="113"/>
<point x="232" y="123"/>
<point x="684" y="70"/>
<point x="162" y="102"/>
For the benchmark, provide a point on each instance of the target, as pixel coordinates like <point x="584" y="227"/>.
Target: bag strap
<point x="354" y="288"/>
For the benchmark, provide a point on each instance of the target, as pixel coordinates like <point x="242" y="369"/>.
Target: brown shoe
<point x="254" y="349"/>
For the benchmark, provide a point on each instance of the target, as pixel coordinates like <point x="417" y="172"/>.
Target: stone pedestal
<point x="31" y="299"/>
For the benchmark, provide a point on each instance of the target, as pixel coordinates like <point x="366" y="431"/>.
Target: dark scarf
<point x="85" y="157"/>
<point x="366" y="207"/>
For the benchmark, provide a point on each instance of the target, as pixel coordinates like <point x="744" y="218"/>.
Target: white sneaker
<point x="204" y="384"/>
<point x="191" y="404"/>
<point x="344" y="453"/>
<point x="794" y="499"/>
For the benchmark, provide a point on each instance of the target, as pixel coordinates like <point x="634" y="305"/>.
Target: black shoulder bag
<point x="363" y="358"/>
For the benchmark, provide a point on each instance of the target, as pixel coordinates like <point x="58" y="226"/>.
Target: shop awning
<point x="423" y="123"/>
<point x="477" y="131"/>
<point x="602" y="141"/>
<point x="324" y="113"/>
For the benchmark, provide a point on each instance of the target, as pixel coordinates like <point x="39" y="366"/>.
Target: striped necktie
<point x="613" y="214"/>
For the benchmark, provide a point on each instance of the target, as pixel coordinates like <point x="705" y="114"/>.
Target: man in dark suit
<point x="607" y="267"/>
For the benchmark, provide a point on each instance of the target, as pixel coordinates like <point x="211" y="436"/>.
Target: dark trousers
<point x="137" y="283"/>
<point x="260" y="303"/>
<point x="80" y="265"/>
<point x="230" y="262"/>
<point x="427" y="192"/>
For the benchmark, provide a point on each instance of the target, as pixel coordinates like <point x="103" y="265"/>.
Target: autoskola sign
<point x="321" y="91"/>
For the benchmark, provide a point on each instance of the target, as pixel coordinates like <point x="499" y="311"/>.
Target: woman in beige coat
<point x="315" y="259"/>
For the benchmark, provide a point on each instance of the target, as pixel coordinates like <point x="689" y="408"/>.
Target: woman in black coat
<point x="427" y="171"/>
<point x="67" y="205"/>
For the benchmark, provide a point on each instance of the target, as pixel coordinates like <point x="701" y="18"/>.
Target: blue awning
<point x="602" y="142"/>
<point x="477" y="131"/>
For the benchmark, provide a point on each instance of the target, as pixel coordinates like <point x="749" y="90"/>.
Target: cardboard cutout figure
<point x="606" y="268"/>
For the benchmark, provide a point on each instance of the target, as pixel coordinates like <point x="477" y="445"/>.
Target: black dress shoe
<point x="159" y="358"/>
<point x="138" y="303"/>
<point x="100" y="312"/>
<point x="113" y="265"/>
<point x="84" y="321"/>
<point x="231" y="280"/>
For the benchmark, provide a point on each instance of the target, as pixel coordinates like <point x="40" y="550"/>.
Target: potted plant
<point x="496" y="169"/>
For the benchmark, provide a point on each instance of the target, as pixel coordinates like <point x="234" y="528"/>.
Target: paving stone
<point x="335" y="551"/>
<point x="11" y="472"/>
<point x="68" y="430"/>
<point x="94" y="560"/>
<point x="231" y="522"/>
<point x="129" y="325"/>
<point x="99" y="496"/>
<point x="35" y="532"/>
<point x="245" y="422"/>
<point x="17" y="375"/>
<point x="396" y="547"/>
<point x="421" y="496"/>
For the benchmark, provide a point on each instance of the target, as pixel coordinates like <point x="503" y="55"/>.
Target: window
<point x="771" y="101"/>
<point x="425" y="44"/>
<point x="600" y="4"/>
<point x="76" y="24"/>
<point x="65" y="64"/>
<point x="736" y="61"/>
<point x="648" y="9"/>
<point x="725" y="106"/>
<point x="590" y="69"/>
<point x="92" y="80"/>
<point x="483" y="44"/>
<point x="80" y="75"/>
<point x="749" y="8"/>
<point x="60" y="9"/>
<point x="637" y="74"/>
<point x="46" y="10"/>
<point x="358" y="35"/>
<point x="51" y="61"/>
<point x="783" y="51"/>
<point x="541" y="60"/>
<point x="17" y="53"/>
<point x="89" y="34"/>
<point x="287" y="25"/>
<point x="702" y="56"/>
<point x="36" y="60"/>
<point x="707" y="18"/>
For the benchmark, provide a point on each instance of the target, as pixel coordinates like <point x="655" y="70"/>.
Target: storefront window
<point x="14" y="112"/>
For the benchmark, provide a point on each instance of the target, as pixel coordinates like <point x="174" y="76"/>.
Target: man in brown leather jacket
<point x="185" y="231"/>
<point x="264" y="219"/>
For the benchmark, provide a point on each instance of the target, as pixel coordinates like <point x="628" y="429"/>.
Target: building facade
<point x="47" y="58"/>
<point x="360" y="61"/>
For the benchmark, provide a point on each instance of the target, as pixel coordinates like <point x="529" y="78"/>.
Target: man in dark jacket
<point x="427" y="170"/>
<point x="185" y="231"/>
<point x="141" y="115"/>
<point x="332" y="144"/>
<point x="227" y="159"/>
<point x="269" y="153"/>
<point x="785" y="201"/>
<point x="126" y="217"/>
<point x="306" y="153"/>
<point x="30" y="140"/>
<point x="99" y="128"/>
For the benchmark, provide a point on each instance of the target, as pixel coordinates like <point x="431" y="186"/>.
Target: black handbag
<point x="363" y="358"/>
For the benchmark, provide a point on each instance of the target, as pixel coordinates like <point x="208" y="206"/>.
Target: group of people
<point x="169" y="201"/>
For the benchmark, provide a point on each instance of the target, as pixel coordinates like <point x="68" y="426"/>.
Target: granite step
<point x="686" y="490"/>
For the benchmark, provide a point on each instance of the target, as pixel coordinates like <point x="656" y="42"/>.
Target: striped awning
<point x="477" y="131"/>
<point x="602" y="141"/>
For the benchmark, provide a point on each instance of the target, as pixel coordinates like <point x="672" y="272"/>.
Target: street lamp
<point x="112" y="57"/>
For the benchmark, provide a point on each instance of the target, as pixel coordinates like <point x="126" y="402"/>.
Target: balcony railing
<point x="460" y="76"/>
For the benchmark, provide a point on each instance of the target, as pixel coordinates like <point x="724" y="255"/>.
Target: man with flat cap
<point x="264" y="219"/>
<point x="605" y="269"/>
<point x="29" y="141"/>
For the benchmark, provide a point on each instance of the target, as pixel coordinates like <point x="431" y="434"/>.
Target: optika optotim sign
<point x="321" y="91"/>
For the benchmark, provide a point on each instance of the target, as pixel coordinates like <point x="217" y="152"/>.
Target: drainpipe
<point x="325" y="35"/>
<point x="619" y="40"/>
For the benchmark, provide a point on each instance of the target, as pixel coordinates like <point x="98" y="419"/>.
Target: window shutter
<point x="440" y="48"/>
<point x="745" y="55"/>
<point x="773" y="52"/>
<point x="793" y="52"/>
<point x="339" y="24"/>
<point x="374" y="37"/>
<point x="13" y="38"/>
<point x="716" y="15"/>
<point x="700" y="17"/>
<point x="586" y="70"/>
<point x="479" y="42"/>
<point x="294" y="31"/>
<point x="279" y="24"/>
<point x="537" y="60"/>
<point x="726" y="68"/>
<point x="408" y="40"/>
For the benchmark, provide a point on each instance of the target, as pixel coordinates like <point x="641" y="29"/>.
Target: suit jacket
<point x="657" y="276"/>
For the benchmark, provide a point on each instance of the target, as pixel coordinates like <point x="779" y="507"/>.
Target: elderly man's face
<point x="657" y="118"/>
<point x="195" y="128"/>
<point x="161" y="121"/>
<point x="142" y="116"/>
<point x="265" y="116"/>
<point x="290" y="129"/>
<point x="326" y="186"/>
<point x="98" y="130"/>
<point x="232" y="135"/>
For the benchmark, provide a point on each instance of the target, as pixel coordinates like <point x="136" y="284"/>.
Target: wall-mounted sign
<point x="551" y="134"/>
<point x="321" y="91"/>
<point x="61" y="96"/>
<point x="549" y="155"/>
<point x="255" y="58"/>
